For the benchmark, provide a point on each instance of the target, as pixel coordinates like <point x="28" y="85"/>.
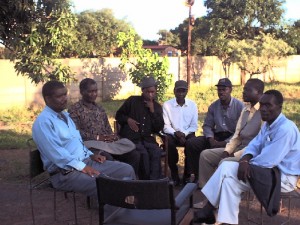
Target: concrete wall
<point x="114" y="84"/>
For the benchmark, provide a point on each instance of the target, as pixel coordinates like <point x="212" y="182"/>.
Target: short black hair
<point x="50" y="86"/>
<point x="277" y="94"/>
<point x="258" y="84"/>
<point x="85" y="83"/>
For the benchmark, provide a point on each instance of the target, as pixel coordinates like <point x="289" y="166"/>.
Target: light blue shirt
<point x="180" y="118"/>
<point x="277" y="144"/>
<point x="60" y="143"/>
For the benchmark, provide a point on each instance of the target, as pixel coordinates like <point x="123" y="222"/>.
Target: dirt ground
<point x="15" y="204"/>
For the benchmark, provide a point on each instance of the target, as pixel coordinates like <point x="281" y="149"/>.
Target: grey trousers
<point x="209" y="161"/>
<point x="83" y="183"/>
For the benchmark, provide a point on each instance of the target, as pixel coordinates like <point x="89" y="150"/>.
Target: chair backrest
<point x="135" y="194"/>
<point x="35" y="162"/>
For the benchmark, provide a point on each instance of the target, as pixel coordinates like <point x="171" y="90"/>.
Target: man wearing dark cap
<point x="181" y="123"/>
<point x="219" y="124"/>
<point x="140" y="117"/>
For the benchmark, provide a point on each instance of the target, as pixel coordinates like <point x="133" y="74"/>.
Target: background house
<point x="164" y="50"/>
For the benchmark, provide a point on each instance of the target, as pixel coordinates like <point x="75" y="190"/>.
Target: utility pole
<point x="190" y="3"/>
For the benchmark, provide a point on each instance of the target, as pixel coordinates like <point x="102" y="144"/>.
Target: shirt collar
<point x="275" y="122"/>
<point x="52" y="112"/>
<point x="176" y="104"/>
<point x="248" y="106"/>
<point x="89" y="106"/>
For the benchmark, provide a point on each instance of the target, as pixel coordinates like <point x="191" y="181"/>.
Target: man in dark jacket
<point x="140" y="117"/>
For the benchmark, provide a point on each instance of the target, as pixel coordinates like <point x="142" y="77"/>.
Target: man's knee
<point x="204" y="156"/>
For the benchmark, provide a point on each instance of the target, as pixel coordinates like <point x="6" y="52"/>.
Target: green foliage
<point x="97" y="33"/>
<point x="37" y="33"/>
<point x="241" y="19"/>
<point x="290" y="33"/>
<point x="258" y="55"/>
<point x="140" y="62"/>
<point x="168" y="38"/>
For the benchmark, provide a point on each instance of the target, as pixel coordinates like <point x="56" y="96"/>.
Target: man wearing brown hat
<point x="219" y="124"/>
<point x="140" y="117"/>
<point x="181" y="122"/>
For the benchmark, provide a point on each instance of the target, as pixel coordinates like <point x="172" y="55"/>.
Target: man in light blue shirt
<point x="276" y="149"/>
<point x="71" y="165"/>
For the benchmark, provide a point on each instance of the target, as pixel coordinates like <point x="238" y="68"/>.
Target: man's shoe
<point x="201" y="216"/>
<point x="190" y="179"/>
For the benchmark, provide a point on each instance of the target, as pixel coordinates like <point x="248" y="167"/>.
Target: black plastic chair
<point x="147" y="202"/>
<point x="39" y="180"/>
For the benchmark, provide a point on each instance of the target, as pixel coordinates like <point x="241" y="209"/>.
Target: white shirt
<point x="180" y="118"/>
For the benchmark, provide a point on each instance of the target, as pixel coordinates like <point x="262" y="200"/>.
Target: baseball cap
<point x="181" y="84"/>
<point x="148" y="81"/>
<point x="224" y="82"/>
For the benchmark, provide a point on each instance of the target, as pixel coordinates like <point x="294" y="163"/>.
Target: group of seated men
<point x="78" y="145"/>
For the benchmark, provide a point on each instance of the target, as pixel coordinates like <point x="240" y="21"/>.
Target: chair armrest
<point x="185" y="193"/>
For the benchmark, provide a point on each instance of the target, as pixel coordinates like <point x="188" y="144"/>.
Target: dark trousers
<point x="132" y="158"/>
<point x="173" y="156"/>
<point x="195" y="146"/>
<point x="150" y="161"/>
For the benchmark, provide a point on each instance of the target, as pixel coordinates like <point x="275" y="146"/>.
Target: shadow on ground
<point x="15" y="204"/>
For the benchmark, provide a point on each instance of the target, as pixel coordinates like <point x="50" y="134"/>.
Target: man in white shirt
<point x="181" y="123"/>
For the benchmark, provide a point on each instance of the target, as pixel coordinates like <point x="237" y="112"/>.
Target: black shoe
<point x="200" y="216"/>
<point x="190" y="179"/>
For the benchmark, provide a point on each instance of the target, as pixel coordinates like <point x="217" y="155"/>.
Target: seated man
<point x="93" y="125"/>
<point x="269" y="165"/>
<point x="247" y="128"/>
<point x="219" y="124"/>
<point x="140" y="117"/>
<point x="71" y="165"/>
<point x="181" y="123"/>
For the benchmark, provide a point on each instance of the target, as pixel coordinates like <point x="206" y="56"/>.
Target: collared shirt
<point x="91" y="120"/>
<point x="180" y="118"/>
<point x="277" y="144"/>
<point x="149" y="123"/>
<point x="59" y="143"/>
<point x="219" y="119"/>
<point x="247" y="128"/>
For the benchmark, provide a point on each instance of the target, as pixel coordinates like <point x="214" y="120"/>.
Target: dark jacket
<point x="149" y="123"/>
<point x="266" y="185"/>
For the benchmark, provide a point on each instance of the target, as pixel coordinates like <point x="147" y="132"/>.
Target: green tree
<point x="37" y="33"/>
<point x="234" y="20"/>
<point x="140" y="62"/>
<point x="291" y="34"/>
<point x="242" y="19"/>
<point x="97" y="33"/>
<point x="168" y="38"/>
<point x="258" y="55"/>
